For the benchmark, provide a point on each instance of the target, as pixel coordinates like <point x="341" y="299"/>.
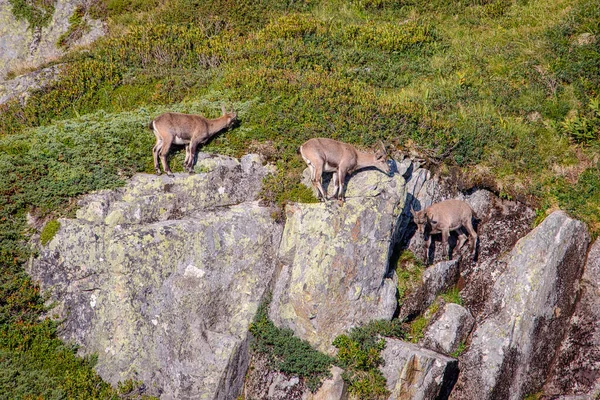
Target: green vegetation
<point x="505" y="91"/>
<point x="37" y="13"/>
<point x="286" y="352"/>
<point x="358" y="354"/>
<point x="49" y="231"/>
<point x="459" y="350"/>
<point x="409" y="270"/>
<point x="452" y="295"/>
<point x="77" y="27"/>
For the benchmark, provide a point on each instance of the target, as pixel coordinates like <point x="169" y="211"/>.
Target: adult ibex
<point x="328" y="155"/>
<point x="443" y="217"/>
<point x="187" y="129"/>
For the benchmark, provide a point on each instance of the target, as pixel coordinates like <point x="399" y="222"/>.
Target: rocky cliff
<point x="162" y="278"/>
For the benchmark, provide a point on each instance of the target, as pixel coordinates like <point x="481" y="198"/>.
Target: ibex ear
<point x="223" y="109"/>
<point x="412" y="210"/>
<point x="383" y="148"/>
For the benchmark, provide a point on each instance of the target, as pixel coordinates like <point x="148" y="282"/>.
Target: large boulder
<point x="415" y="373"/>
<point x="22" y="45"/>
<point x="334" y="261"/>
<point x="449" y="330"/>
<point x="162" y="278"/>
<point x="577" y="367"/>
<point x="527" y="313"/>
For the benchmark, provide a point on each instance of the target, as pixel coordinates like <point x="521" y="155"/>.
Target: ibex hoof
<point x="170" y="174"/>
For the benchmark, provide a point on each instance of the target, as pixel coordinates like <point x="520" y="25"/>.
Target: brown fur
<point x="444" y="217"/>
<point x="188" y="129"/>
<point x="328" y="155"/>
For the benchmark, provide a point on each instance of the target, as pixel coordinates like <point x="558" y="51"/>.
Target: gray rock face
<point x="19" y="87"/>
<point x="335" y="261"/>
<point x="162" y="278"/>
<point x="577" y="367"/>
<point x="414" y="373"/>
<point x="333" y="388"/>
<point x="21" y="46"/>
<point x="526" y="313"/>
<point x="435" y="280"/>
<point x="449" y="330"/>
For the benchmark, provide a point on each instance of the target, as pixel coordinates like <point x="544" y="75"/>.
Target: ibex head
<point x="381" y="159"/>
<point x="231" y="116"/>
<point x="420" y="218"/>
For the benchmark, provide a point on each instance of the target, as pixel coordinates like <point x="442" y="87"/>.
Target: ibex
<point x="443" y="217"/>
<point x="187" y="129"/>
<point x="328" y="155"/>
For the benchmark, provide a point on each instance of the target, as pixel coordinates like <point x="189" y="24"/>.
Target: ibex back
<point x="188" y="129"/>
<point x="328" y="155"/>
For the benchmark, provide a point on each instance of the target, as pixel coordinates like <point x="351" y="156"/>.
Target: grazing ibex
<point x="328" y="155"/>
<point x="187" y="129"/>
<point x="443" y="217"/>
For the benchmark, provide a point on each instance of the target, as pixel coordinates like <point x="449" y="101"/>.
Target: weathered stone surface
<point x="262" y="383"/>
<point x="449" y="330"/>
<point x="414" y="373"/>
<point x="333" y="388"/>
<point x="335" y="261"/>
<point x="526" y="314"/>
<point x="577" y="367"/>
<point x="19" y="86"/>
<point x="162" y="278"/>
<point x="435" y="280"/>
<point x="21" y="46"/>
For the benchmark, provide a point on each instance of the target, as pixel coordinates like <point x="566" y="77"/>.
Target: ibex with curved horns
<point x="187" y="129"/>
<point x="328" y="155"/>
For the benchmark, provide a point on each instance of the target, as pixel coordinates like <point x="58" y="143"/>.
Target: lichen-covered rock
<point x="335" y="261"/>
<point x="162" y="278"/>
<point x="414" y="373"/>
<point x="19" y="86"/>
<point x="22" y="45"/>
<point x="434" y="280"/>
<point x="450" y="328"/>
<point x="527" y="313"/>
<point x="577" y="367"/>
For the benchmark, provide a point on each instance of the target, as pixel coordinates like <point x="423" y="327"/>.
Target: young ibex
<point x="328" y="155"/>
<point x="443" y="217"/>
<point x="187" y="129"/>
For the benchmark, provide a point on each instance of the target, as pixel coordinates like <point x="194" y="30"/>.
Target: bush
<point x="287" y="353"/>
<point x="358" y="354"/>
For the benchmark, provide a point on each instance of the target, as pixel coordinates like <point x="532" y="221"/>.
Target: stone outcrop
<point x="162" y="278"/>
<point x="334" y="261"/>
<point x="526" y="314"/>
<point x="577" y="366"/>
<point x="449" y="329"/>
<point x="25" y="46"/>
<point x="20" y="86"/>
<point x="434" y="280"/>
<point x="415" y="373"/>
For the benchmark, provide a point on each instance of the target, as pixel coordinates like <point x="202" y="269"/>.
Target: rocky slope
<point x="162" y="278"/>
<point x="24" y="47"/>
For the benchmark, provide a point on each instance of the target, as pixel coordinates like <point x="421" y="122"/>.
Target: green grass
<point x="49" y="231"/>
<point x="409" y="271"/>
<point x="505" y="91"/>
